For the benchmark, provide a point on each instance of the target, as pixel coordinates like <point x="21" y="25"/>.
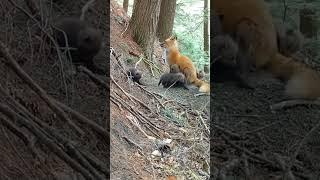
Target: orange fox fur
<point x="252" y="20"/>
<point x="185" y="64"/>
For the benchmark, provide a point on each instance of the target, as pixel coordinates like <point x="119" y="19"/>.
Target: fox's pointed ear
<point x="174" y="37"/>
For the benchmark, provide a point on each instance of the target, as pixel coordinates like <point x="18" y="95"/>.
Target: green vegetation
<point x="290" y="15"/>
<point x="188" y="26"/>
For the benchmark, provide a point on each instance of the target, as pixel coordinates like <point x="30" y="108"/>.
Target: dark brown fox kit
<point x="289" y="40"/>
<point x="85" y="41"/>
<point x="174" y="77"/>
<point x="253" y="25"/>
<point x="135" y="75"/>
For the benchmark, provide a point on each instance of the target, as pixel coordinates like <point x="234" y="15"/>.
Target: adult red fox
<point x="185" y="65"/>
<point x="251" y="23"/>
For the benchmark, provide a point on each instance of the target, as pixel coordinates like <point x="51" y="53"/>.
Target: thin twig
<point x="48" y="142"/>
<point x="11" y="62"/>
<point x="291" y="103"/>
<point x="85" y="9"/>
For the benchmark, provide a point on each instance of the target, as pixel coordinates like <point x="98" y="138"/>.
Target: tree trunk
<point x="166" y="19"/>
<point x="308" y="23"/>
<point x="206" y="27"/>
<point x="143" y="23"/>
<point x="125" y="5"/>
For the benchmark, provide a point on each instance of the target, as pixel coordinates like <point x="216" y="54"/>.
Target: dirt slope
<point x="175" y="115"/>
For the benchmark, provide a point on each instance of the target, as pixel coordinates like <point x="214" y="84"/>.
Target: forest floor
<point x="149" y="118"/>
<point x="155" y="133"/>
<point x="252" y="136"/>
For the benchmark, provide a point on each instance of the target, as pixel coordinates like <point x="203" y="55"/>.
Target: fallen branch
<point x="229" y="133"/>
<point x="33" y="8"/>
<point x="96" y="163"/>
<point x="257" y="157"/>
<point x="124" y="92"/>
<point x="16" y="130"/>
<point x="84" y="120"/>
<point x="152" y="94"/>
<point x="140" y="129"/>
<point x="141" y="58"/>
<point x="11" y="62"/>
<point x="291" y="103"/>
<point x="246" y="170"/>
<point x="85" y="9"/>
<point x="94" y="78"/>
<point x="305" y="139"/>
<point x="48" y="142"/>
<point x="73" y="152"/>
<point x="50" y="132"/>
<point x="137" y="114"/>
<point x="227" y="167"/>
<point x="204" y="124"/>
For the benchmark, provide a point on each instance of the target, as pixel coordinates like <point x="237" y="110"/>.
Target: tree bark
<point x="308" y="23"/>
<point x="125" y="5"/>
<point x="205" y="27"/>
<point x="143" y="23"/>
<point x="166" y="19"/>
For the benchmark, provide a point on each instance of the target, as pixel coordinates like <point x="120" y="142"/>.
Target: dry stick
<point x="312" y="132"/>
<point x="152" y="94"/>
<point x="20" y="108"/>
<point x="138" y="114"/>
<point x="229" y="133"/>
<point x="43" y="30"/>
<point x="246" y="151"/>
<point x="71" y="150"/>
<point x="85" y="9"/>
<point x="245" y="166"/>
<point x="132" y="143"/>
<point x="205" y="125"/>
<point x="291" y="103"/>
<point x="33" y="8"/>
<point x="261" y="128"/>
<point x="96" y="163"/>
<point x="49" y="130"/>
<point x="35" y="87"/>
<point x="230" y="165"/>
<point x="94" y="78"/>
<point x="14" y="148"/>
<point x="16" y="130"/>
<point x="283" y="167"/>
<point x="255" y="156"/>
<point x="119" y="106"/>
<point x="129" y="95"/>
<point x="113" y="52"/>
<point x="84" y="120"/>
<point x="141" y="58"/>
<point x="32" y="128"/>
<point x="133" y="112"/>
<point x="140" y="129"/>
<point x="127" y="25"/>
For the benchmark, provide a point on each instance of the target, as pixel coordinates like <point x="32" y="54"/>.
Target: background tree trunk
<point x="125" y="5"/>
<point x="166" y="19"/>
<point x="143" y="23"/>
<point x="308" y="23"/>
<point x="205" y="27"/>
